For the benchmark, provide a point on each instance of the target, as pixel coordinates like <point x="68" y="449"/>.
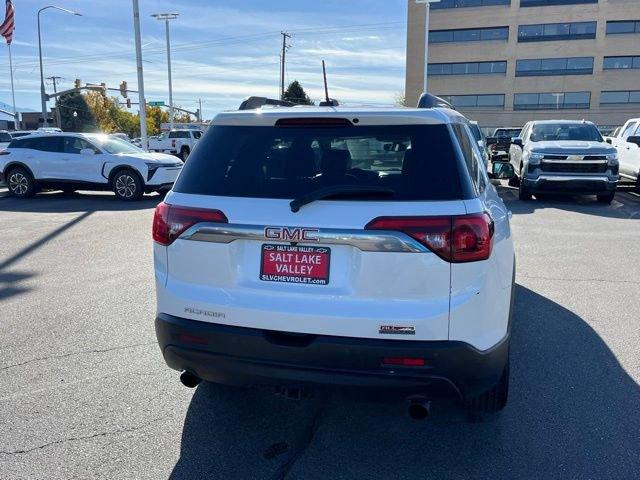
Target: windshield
<point x="507" y="133"/>
<point x="115" y="145"/>
<point x="551" y="132"/>
<point x="415" y="162"/>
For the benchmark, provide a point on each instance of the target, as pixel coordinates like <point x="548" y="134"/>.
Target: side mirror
<point x="491" y="141"/>
<point x="87" y="151"/>
<point x="634" y="139"/>
<point x="517" y="141"/>
<point x="502" y="171"/>
<point x="608" y="140"/>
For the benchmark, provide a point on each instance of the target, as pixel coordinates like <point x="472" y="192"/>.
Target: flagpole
<point x="13" y="93"/>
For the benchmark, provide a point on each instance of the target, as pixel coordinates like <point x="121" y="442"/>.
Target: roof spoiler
<point x="428" y="100"/>
<point x="252" y="103"/>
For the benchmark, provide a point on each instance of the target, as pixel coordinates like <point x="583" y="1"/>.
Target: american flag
<point x="7" y="27"/>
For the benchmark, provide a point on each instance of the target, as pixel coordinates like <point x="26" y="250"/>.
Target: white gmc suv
<point x="79" y="161"/>
<point x="365" y="249"/>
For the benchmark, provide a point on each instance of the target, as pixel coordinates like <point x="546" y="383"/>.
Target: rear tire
<point x="606" y="198"/>
<point x="21" y="183"/>
<point x="184" y="154"/>
<point x="494" y="399"/>
<point x="523" y="193"/>
<point x="127" y="185"/>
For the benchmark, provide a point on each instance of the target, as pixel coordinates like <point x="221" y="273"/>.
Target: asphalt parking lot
<point x="84" y="392"/>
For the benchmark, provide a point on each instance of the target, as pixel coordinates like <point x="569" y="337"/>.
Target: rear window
<point x="5" y="137"/>
<point x="416" y="162"/>
<point x="45" y="144"/>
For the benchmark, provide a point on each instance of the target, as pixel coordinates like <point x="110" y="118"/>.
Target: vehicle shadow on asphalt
<point x="59" y="202"/>
<point x="626" y="204"/>
<point x="573" y="412"/>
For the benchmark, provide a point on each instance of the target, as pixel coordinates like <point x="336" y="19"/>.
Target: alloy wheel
<point x="18" y="183"/>
<point x="126" y="186"/>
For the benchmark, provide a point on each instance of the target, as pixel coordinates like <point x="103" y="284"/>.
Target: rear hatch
<point x="353" y="257"/>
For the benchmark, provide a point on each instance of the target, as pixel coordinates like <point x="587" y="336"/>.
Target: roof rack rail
<point x="252" y="103"/>
<point x="427" y="100"/>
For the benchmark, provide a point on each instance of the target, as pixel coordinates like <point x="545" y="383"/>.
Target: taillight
<point x="464" y="238"/>
<point x="170" y="221"/>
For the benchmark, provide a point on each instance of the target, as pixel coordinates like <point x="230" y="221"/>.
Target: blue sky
<point x="222" y="50"/>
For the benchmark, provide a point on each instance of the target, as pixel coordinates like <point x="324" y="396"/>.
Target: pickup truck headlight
<point x="612" y="159"/>
<point x="535" y="158"/>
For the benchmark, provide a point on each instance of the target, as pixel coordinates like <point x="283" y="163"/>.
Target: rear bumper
<point x="571" y="184"/>
<point x="259" y="358"/>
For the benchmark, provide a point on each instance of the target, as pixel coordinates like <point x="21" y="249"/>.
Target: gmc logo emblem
<point x="292" y="234"/>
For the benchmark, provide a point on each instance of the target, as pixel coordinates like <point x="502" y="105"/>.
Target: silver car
<point x="564" y="156"/>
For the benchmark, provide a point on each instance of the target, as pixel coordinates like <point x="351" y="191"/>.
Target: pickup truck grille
<point x="576" y="167"/>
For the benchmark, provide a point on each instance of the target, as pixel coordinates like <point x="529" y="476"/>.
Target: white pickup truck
<point x="627" y="142"/>
<point x="176" y="142"/>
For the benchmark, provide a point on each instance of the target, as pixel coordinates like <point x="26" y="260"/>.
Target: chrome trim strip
<point x="365" y="240"/>
<point x="561" y="178"/>
<point x="577" y="162"/>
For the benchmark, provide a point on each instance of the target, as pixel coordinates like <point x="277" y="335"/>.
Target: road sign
<point x="156" y="104"/>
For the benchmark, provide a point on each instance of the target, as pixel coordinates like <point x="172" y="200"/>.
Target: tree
<point x="400" y="100"/>
<point x="76" y="114"/>
<point x="296" y="94"/>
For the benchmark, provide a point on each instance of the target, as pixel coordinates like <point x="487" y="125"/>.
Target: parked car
<point x="564" y="156"/>
<point x="626" y="140"/>
<point x="5" y="139"/>
<point x="121" y="136"/>
<point x="137" y="142"/>
<point x="481" y="140"/>
<point x="176" y="142"/>
<point x="74" y="161"/>
<point x="297" y="250"/>
<point x="49" y="130"/>
<point x="500" y="142"/>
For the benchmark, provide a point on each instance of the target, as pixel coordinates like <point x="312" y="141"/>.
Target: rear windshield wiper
<point x="337" y="190"/>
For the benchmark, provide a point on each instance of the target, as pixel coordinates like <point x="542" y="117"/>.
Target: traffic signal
<point x="128" y="103"/>
<point x="123" y="89"/>
<point x="77" y="83"/>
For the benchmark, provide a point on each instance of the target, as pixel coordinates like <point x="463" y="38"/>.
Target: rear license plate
<point x="295" y="264"/>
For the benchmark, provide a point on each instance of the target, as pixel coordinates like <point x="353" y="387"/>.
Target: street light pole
<point x="427" y="7"/>
<point x="166" y="17"/>
<point x="43" y="95"/>
<point x="141" y="98"/>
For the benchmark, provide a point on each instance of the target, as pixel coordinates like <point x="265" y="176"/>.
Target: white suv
<point x="363" y="248"/>
<point x="78" y="161"/>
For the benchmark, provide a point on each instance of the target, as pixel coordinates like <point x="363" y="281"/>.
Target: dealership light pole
<point x="427" y="5"/>
<point x="43" y="95"/>
<point x="166" y="17"/>
<point x="142" y="102"/>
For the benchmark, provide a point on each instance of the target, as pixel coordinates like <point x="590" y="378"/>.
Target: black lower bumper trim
<point x="260" y="358"/>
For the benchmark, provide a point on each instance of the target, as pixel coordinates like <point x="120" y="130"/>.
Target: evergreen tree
<point x="296" y="94"/>
<point x="75" y="114"/>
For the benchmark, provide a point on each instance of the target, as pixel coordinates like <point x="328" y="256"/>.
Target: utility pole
<point x="142" y="101"/>
<point x="166" y="17"/>
<point x="283" y="60"/>
<point x="54" y="80"/>
<point x="200" y="110"/>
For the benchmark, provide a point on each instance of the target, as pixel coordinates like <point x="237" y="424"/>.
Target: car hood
<point x="572" y="147"/>
<point x="152" y="157"/>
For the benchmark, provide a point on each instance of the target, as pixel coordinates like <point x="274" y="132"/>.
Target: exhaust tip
<point x="419" y="409"/>
<point x="189" y="380"/>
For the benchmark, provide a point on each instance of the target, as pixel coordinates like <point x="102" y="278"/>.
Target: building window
<point x="544" y="32"/>
<point x="544" y="3"/>
<point x="554" y="66"/>
<point x="620" y="96"/>
<point x="471" y="101"/>
<point x="623" y="26"/>
<point x="467" y="68"/>
<point x="620" y="63"/>
<point x="551" y="101"/>
<point x="469" y="35"/>
<point x="468" y="3"/>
